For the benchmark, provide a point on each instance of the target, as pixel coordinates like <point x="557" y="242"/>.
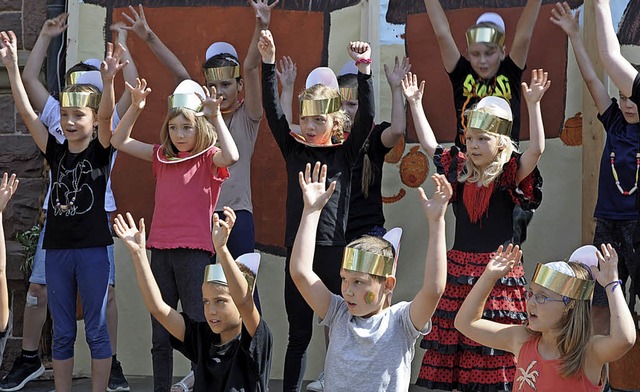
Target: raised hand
<point x="396" y="75"/>
<point x="359" y="51"/>
<point x="120" y="30"/>
<point x="562" y="17"/>
<point x="267" y="47"/>
<point x="9" y="49"/>
<point x="435" y="207"/>
<point x="138" y="93"/>
<point x="411" y="90"/>
<point x="211" y="102"/>
<point x="503" y="261"/>
<point x="221" y="229"/>
<point x="539" y="85"/>
<point x="262" y="8"/>
<point x="129" y="233"/>
<point x="111" y="64"/>
<point x="315" y="194"/>
<point x="607" y="270"/>
<point x="55" y="26"/>
<point x="288" y="72"/>
<point x="8" y="187"/>
<point x="139" y="23"/>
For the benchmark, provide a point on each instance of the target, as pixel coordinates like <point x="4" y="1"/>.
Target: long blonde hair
<point x="321" y="91"/>
<point x="205" y="132"/>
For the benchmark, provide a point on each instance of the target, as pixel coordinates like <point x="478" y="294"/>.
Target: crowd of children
<point x="483" y="326"/>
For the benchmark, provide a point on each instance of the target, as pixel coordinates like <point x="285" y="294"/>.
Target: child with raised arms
<point x="556" y="350"/>
<point x="371" y="341"/>
<point x="8" y="186"/>
<point x="489" y="182"/>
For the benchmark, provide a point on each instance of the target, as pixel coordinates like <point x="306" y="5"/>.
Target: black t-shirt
<point x="75" y="216"/>
<point x="339" y="160"/>
<point x="366" y="212"/>
<point x="469" y="88"/>
<point x="243" y="364"/>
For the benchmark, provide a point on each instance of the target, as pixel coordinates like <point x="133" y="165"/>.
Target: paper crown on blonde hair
<point x="487" y="34"/>
<point x="213" y="273"/>
<point x="80" y="100"/>
<point x="226" y="72"/>
<point x="559" y="277"/>
<point x="314" y="107"/>
<point x="480" y="118"/>
<point x="373" y="263"/>
<point x="186" y="96"/>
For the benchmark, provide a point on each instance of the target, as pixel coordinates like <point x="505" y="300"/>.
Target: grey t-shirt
<point x="369" y="354"/>
<point x="236" y="190"/>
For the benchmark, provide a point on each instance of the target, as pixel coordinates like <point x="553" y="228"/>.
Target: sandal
<point x="183" y="385"/>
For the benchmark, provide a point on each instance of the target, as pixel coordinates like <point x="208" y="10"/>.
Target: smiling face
<point x="365" y="294"/>
<point x="78" y="124"/>
<point x="317" y="129"/>
<point x="485" y="58"/>
<point x="220" y="311"/>
<point x="629" y="110"/>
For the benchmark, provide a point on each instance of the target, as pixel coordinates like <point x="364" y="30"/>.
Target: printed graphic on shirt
<point x="71" y="195"/>
<point x="528" y="376"/>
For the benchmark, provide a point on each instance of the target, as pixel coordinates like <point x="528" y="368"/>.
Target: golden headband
<point x="367" y="262"/>
<point x="563" y="284"/>
<point x="187" y="101"/>
<point x="485" y="34"/>
<point x="488" y="122"/>
<point x="349" y="93"/>
<point x="314" y="107"/>
<point x="73" y="77"/>
<point x="80" y="100"/>
<point x="221" y="73"/>
<point x="213" y="273"/>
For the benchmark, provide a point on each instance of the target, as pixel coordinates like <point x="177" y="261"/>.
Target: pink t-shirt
<point x="186" y="194"/>
<point x="534" y="373"/>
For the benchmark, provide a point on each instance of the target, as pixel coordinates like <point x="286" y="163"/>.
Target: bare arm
<point x="108" y="69"/>
<point x="8" y="187"/>
<point x="228" y="154"/>
<point x="539" y="85"/>
<point x="37" y="92"/>
<point x="524" y="32"/>
<point x="414" y="99"/>
<point x="448" y="48"/>
<point x="134" y="239"/>
<point x="130" y="72"/>
<point x="469" y="319"/>
<point x="394" y="133"/>
<point x="619" y="69"/>
<point x="121" y="139"/>
<point x="314" y="291"/>
<point x="287" y="76"/>
<point x="435" y="270"/>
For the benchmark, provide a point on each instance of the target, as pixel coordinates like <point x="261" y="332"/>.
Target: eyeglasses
<point x="541" y="298"/>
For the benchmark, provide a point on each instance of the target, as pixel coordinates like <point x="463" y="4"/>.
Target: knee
<point x="99" y="344"/>
<point x="111" y="297"/>
<point x="37" y="295"/>
<point x="63" y="343"/>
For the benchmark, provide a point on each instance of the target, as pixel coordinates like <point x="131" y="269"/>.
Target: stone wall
<point x="20" y="155"/>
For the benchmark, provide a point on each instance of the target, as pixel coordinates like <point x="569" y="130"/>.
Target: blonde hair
<point x="205" y="132"/>
<point x="574" y="329"/>
<point x="321" y="91"/>
<point x="471" y="173"/>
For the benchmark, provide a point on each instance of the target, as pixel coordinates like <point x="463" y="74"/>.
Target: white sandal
<point x="183" y="384"/>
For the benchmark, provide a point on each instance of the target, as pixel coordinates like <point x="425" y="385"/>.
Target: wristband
<point x="363" y="61"/>
<point x="615" y="284"/>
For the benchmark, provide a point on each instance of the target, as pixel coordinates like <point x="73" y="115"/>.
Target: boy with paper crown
<point x="232" y="348"/>
<point x="371" y="341"/>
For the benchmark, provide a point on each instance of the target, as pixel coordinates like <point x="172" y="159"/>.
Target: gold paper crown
<point x="221" y="73"/>
<point x="73" y="77"/>
<point x="485" y="34"/>
<point x="213" y="273"/>
<point x="314" y="107"/>
<point x="188" y="101"/>
<point x="80" y="100"/>
<point x="563" y="284"/>
<point x="349" y="93"/>
<point x="367" y="262"/>
<point x="488" y="122"/>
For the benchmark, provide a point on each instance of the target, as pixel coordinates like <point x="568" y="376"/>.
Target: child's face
<point x="77" y="123"/>
<point x="317" y="129"/>
<point x="544" y="317"/>
<point x="227" y="89"/>
<point x="482" y="147"/>
<point x="182" y="133"/>
<point x="365" y="295"/>
<point x="351" y="107"/>
<point x="485" y="59"/>
<point x="629" y="110"/>
<point x="220" y="311"/>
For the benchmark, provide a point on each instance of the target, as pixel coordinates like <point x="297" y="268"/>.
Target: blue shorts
<point x="38" y="272"/>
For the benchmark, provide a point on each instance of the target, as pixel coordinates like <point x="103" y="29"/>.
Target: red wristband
<point x="363" y="61"/>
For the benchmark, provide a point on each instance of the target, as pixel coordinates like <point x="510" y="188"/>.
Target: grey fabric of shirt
<point x="369" y="354"/>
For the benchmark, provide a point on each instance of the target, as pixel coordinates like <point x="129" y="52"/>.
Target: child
<point x="190" y="169"/>
<point x="488" y="70"/>
<point x="8" y="187"/>
<point x="489" y="182"/>
<point x="371" y="342"/>
<point x="77" y="261"/>
<point x="322" y="124"/>
<point x="232" y="348"/>
<point x="616" y="213"/>
<point x="556" y="350"/>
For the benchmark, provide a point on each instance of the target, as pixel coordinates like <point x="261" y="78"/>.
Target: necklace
<point x="612" y="158"/>
<point x="75" y="185"/>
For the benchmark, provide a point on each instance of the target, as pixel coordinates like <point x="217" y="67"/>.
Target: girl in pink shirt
<point x="189" y="171"/>
<point x="556" y="350"/>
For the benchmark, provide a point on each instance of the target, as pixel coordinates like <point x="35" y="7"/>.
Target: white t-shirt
<point x="50" y="117"/>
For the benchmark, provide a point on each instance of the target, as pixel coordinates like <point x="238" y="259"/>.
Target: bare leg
<point x="34" y="317"/>
<point x="112" y="319"/>
<point x="100" y="369"/>
<point x="63" y="374"/>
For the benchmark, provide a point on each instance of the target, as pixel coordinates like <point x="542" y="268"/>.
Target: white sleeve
<point x="50" y="117"/>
